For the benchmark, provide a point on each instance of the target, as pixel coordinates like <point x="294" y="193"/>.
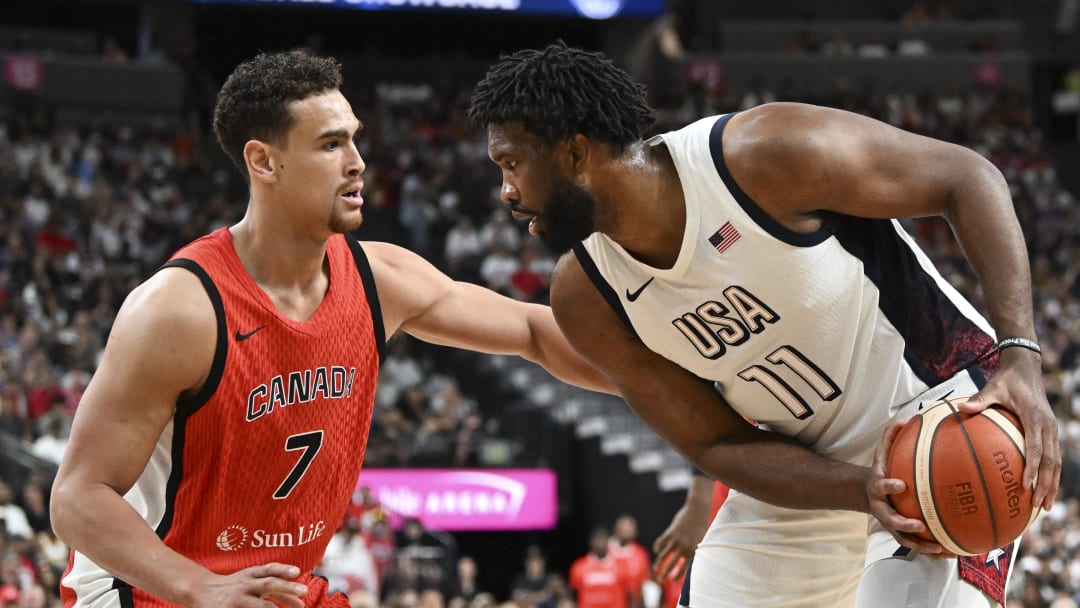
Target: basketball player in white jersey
<point x="748" y="266"/>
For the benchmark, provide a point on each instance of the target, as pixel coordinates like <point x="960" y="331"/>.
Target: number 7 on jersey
<point x="309" y="442"/>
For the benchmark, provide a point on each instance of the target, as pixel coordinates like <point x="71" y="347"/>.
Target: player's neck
<point x="644" y="206"/>
<point x="289" y="266"/>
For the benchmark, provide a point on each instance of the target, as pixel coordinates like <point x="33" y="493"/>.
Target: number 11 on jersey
<point x="788" y="356"/>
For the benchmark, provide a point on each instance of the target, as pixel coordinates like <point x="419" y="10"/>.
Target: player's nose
<point x="354" y="163"/>
<point x="508" y="193"/>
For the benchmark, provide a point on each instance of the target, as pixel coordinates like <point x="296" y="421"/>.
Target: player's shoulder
<point x="782" y="124"/>
<point x="569" y="281"/>
<point x="174" y="301"/>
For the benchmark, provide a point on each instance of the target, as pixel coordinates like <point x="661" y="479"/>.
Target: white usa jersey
<point x="821" y="336"/>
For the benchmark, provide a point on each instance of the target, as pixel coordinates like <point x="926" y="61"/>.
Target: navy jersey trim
<point x="191" y="403"/>
<point x="123" y="593"/>
<point x="605" y="289"/>
<point x="939" y="341"/>
<point x="756" y="213"/>
<point x="684" y="595"/>
<point x="368" y="279"/>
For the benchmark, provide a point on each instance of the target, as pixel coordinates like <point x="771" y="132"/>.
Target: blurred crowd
<point x="88" y="211"/>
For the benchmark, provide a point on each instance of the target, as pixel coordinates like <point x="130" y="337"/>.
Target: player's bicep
<point x="160" y="347"/>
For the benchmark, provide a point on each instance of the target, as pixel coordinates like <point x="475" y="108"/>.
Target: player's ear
<point x="578" y="148"/>
<point x="260" y="161"/>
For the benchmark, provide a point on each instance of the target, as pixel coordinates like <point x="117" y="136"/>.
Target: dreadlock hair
<point x="254" y="101"/>
<point x="558" y="91"/>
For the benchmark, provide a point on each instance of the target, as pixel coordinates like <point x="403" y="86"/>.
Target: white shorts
<point x="756" y="554"/>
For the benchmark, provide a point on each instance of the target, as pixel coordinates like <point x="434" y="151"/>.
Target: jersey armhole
<point x="189" y="404"/>
<point x="756" y="213"/>
<point x="363" y="266"/>
<point x="605" y="289"/>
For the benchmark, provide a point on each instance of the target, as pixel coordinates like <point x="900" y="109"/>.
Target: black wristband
<point x="1021" y="342"/>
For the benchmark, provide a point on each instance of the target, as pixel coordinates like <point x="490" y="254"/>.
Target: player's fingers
<point x="1046" y="486"/>
<point x="979" y="401"/>
<point x="268" y="586"/>
<point x="1033" y="454"/>
<point x="274" y="569"/>
<point x="881" y="488"/>
<point x="287" y="601"/>
<point x="663" y="566"/>
<point x="919" y="544"/>
<point x="680" y="571"/>
<point x="881" y="454"/>
<point x="662" y="542"/>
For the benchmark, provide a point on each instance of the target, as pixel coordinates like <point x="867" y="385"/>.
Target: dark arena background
<point x="107" y="165"/>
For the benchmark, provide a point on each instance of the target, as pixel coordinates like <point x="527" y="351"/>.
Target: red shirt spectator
<point x="631" y="556"/>
<point x="598" y="578"/>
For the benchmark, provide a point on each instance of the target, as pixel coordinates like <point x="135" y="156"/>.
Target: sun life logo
<point x="232" y="538"/>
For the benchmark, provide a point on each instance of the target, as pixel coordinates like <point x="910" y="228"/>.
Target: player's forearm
<point x="98" y="523"/>
<point x="699" y="494"/>
<point x="981" y="213"/>
<point x="781" y="472"/>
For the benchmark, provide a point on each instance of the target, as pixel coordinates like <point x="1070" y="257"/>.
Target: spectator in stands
<point x="13" y="517"/>
<point x="499" y="232"/>
<point x="51" y="445"/>
<point x="463" y="248"/>
<point x="498" y="267"/>
<point x="347" y="563"/>
<point x="599" y="580"/>
<point x="381" y="544"/>
<point x="111" y="50"/>
<point x="535" y="587"/>
<point x="12" y="422"/>
<point x="632" y="558"/>
<point x="465" y="588"/>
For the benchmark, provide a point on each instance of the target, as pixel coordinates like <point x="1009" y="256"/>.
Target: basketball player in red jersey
<point x="219" y="442"/>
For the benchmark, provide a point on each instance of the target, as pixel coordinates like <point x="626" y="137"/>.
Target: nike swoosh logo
<point x="633" y="295"/>
<point x="241" y="337"/>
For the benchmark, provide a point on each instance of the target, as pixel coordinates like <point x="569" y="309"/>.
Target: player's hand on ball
<point x="1018" y="387"/>
<point x="878" y="489"/>
<point x="252" y="588"/>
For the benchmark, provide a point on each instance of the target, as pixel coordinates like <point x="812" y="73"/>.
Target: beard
<point x="344" y="223"/>
<point x="569" y="216"/>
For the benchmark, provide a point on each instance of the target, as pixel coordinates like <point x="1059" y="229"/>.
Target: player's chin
<point x="342" y="223"/>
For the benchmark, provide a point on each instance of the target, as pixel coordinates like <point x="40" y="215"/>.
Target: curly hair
<point x="254" y="101"/>
<point x="558" y="91"/>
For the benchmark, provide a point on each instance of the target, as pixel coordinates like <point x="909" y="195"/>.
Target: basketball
<point x="963" y="476"/>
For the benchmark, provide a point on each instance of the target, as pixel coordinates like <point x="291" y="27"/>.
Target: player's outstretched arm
<point x="798" y="161"/>
<point x="161" y="347"/>
<point x="422" y="301"/>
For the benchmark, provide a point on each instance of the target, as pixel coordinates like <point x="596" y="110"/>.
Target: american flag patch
<point x="724" y="237"/>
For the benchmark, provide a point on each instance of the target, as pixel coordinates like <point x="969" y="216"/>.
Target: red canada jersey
<point x="259" y="465"/>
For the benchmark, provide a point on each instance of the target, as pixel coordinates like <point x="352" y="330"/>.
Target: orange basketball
<point x="963" y="476"/>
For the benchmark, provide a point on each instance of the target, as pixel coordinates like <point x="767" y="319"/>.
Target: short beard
<point x="339" y="225"/>
<point x="568" y="216"/>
